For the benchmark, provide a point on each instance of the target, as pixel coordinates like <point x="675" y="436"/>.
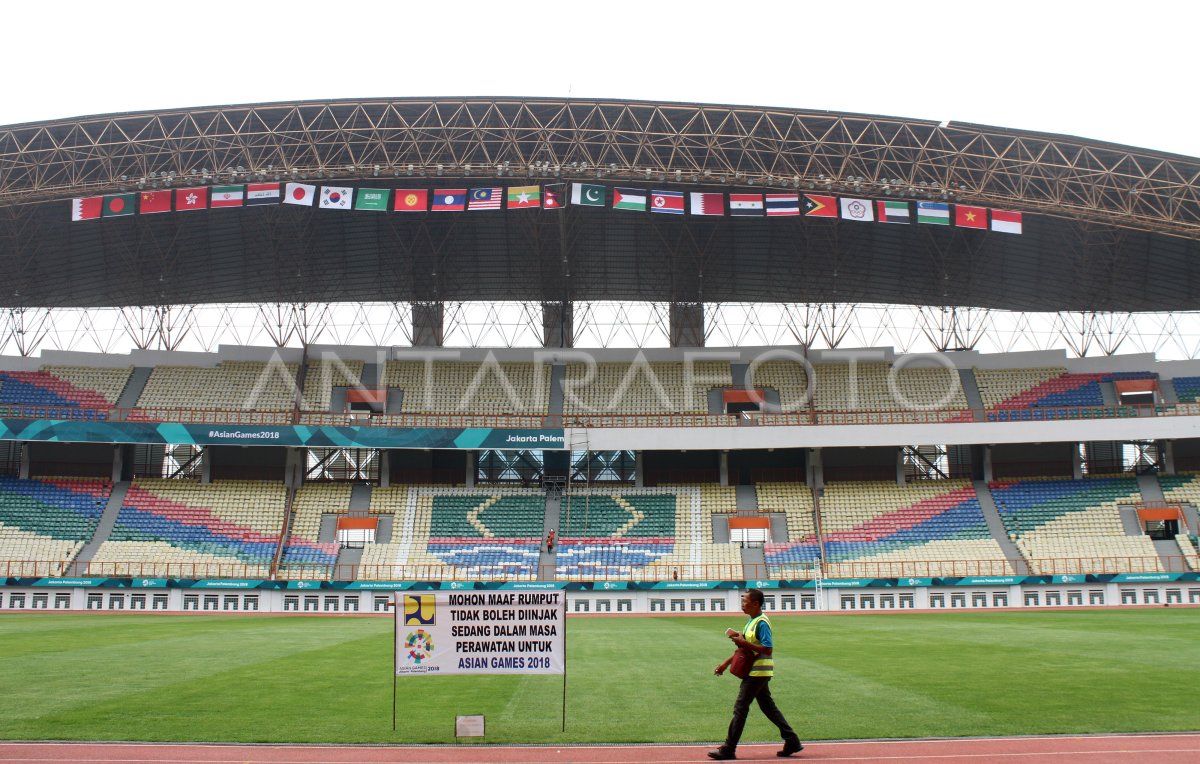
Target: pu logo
<point x="147" y="582"/>
<point x="456" y="585"/>
<point x="608" y="585"/>
<point x="419" y="609"/>
<point x="762" y="583"/>
<point x="913" y="582"/>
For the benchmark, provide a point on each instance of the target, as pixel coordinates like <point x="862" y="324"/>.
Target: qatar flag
<point x="299" y="193"/>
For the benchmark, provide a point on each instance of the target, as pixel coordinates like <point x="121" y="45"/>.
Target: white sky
<point x="1103" y="70"/>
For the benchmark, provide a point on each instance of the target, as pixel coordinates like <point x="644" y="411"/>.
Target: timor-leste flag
<point x="818" y="206"/>
<point x="411" y="200"/>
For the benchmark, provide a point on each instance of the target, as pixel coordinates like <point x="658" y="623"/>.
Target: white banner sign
<point x="480" y="632"/>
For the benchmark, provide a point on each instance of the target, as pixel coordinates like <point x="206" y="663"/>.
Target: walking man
<point x="756" y="638"/>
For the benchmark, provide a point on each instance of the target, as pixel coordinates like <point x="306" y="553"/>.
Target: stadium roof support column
<point x="428" y="327"/>
<point x="558" y="325"/>
<point x="687" y="325"/>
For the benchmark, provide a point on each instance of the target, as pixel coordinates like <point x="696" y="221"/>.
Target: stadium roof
<point x="1106" y="227"/>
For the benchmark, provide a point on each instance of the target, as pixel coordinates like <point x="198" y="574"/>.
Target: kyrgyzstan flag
<point x="411" y="200"/>
<point x="970" y="217"/>
<point x="87" y="208"/>
<point x="154" y="201"/>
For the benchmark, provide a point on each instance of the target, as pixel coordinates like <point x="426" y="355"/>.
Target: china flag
<point x="411" y="200"/>
<point x="154" y="201"/>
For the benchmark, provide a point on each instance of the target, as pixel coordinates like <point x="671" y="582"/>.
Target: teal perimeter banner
<point x="79" y="431"/>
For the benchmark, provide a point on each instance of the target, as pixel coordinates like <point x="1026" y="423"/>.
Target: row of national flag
<point x="695" y="203"/>
<point x="706" y="203"/>
<point x="325" y="197"/>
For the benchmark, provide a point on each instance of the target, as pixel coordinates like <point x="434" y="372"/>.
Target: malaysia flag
<point x="484" y="199"/>
<point x="449" y="199"/>
<point x="668" y="202"/>
<point x="299" y="193"/>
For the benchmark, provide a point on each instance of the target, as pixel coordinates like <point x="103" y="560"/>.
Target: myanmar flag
<point x="524" y="196"/>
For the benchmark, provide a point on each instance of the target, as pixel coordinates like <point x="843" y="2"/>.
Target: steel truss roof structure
<point x="1109" y="229"/>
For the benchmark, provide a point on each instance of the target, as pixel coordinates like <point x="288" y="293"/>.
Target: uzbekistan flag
<point x="783" y="205"/>
<point x="449" y="199"/>
<point x="667" y="202"/>
<point x="933" y="213"/>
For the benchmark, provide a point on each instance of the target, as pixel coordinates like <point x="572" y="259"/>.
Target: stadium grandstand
<point x="295" y="357"/>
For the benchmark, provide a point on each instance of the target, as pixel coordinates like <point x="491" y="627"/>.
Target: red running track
<point x="1092" y="749"/>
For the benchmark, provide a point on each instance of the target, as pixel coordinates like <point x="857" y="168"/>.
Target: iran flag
<point x="300" y="193"/>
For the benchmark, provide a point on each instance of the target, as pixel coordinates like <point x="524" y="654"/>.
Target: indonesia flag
<point x="707" y="203"/>
<point x="299" y="193"/>
<point x="668" y="202"/>
<point x="88" y="208"/>
<point x="1006" y="222"/>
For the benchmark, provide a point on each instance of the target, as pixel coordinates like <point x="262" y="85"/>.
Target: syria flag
<point x="300" y="193"/>
<point x="87" y="208"/>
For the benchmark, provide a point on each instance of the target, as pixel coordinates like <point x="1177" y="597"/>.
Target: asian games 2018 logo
<point x="420" y="646"/>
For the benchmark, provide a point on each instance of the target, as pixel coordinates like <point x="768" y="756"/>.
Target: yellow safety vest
<point x="764" y="665"/>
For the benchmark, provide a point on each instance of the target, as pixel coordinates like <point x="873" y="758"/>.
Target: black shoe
<point x="722" y="755"/>
<point x="789" y="747"/>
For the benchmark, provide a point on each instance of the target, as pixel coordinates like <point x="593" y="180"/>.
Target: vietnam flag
<point x="154" y="201"/>
<point x="411" y="200"/>
<point x="970" y="217"/>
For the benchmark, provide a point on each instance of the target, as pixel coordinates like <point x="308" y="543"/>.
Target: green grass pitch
<point x="630" y="679"/>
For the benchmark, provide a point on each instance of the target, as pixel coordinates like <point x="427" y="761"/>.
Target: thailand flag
<point x="783" y="205"/>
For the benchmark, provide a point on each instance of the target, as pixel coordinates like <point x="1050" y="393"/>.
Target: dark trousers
<point x="755" y="688"/>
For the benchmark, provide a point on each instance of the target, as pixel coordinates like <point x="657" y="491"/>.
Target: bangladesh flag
<point x="119" y="205"/>
<point x="371" y="199"/>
